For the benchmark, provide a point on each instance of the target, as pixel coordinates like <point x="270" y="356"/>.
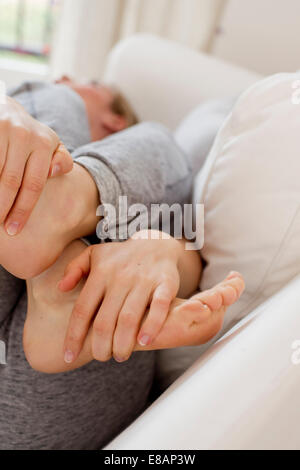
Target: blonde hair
<point x="121" y="106"/>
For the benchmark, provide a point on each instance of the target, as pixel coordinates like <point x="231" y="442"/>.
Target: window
<point x="26" y="29"/>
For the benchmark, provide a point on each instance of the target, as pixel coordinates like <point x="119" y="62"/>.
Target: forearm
<point x="190" y="270"/>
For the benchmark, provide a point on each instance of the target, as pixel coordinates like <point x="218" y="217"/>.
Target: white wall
<point x="263" y="35"/>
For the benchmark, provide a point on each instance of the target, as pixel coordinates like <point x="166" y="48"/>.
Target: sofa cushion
<point x="250" y="187"/>
<point x="197" y="132"/>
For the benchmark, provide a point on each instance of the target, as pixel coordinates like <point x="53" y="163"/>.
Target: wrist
<point x="170" y="247"/>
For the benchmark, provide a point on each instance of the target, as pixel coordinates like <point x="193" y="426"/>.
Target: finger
<point x="62" y="162"/>
<point x="159" y="309"/>
<point x="11" y="179"/>
<point x="106" y="321"/>
<point x="81" y="317"/>
<point x="76" y="270"/>
<point x="71" y="280"/>
<point x="34" y="180"/>
<point x="3" y="152"/>
<point x="129" y="322"/>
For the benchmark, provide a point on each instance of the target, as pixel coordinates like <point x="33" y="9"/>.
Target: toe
<point x="212" y="298"/>
<point x="229" y="295"/>
<point x="237" y="284"/>
<point x="194" y="307"/>
<point x="233" y="275"/>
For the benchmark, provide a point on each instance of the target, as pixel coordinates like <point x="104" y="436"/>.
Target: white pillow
<point x="197" y="132"/>
<point x="250" y="186"/>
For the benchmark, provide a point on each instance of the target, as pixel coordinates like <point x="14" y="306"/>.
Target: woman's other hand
<point x="30" y="152"/>
<point x="124" y="280"/>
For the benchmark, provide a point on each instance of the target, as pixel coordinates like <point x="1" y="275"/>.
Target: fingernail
<point x="119" y="359"/>
<point x="69" y="357"/>
<point x="144" y="340"/>
<point x="12" y="228"/>
<point x="56" y="170"/>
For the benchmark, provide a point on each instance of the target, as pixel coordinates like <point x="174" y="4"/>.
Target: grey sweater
<point x="85" y="408"/>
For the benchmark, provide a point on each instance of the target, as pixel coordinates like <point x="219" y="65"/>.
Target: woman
<point x="83" y="408"/>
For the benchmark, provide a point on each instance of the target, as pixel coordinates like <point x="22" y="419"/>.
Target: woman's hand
<point x="189" y="322"/>
<point x="125" y="279"/>
<point x="30" y="152"/>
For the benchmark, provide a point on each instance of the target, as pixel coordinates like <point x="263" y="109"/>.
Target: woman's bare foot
<point x="190" y="322"/>
<point x="197" y="320"/>
<point x="66" y="211"/>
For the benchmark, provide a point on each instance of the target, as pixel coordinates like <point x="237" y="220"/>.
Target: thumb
<point x="62" y="162"/>
<point x="76" y="270"/>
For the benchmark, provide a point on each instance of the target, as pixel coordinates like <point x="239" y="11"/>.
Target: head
<point x="108" y="111"/>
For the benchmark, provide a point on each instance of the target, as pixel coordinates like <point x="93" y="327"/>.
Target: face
<point x="98" y="101"/>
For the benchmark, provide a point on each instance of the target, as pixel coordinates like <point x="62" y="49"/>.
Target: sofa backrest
<point x="164" y="80"/>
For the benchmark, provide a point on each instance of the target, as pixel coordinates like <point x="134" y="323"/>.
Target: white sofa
<point x="243" y="392"/>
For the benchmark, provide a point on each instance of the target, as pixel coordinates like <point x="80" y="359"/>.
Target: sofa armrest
<point x="164" y="80"/>
<point x="243" y="393"/>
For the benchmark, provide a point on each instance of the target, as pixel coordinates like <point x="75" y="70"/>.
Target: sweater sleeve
<point x="143" y="164"/>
